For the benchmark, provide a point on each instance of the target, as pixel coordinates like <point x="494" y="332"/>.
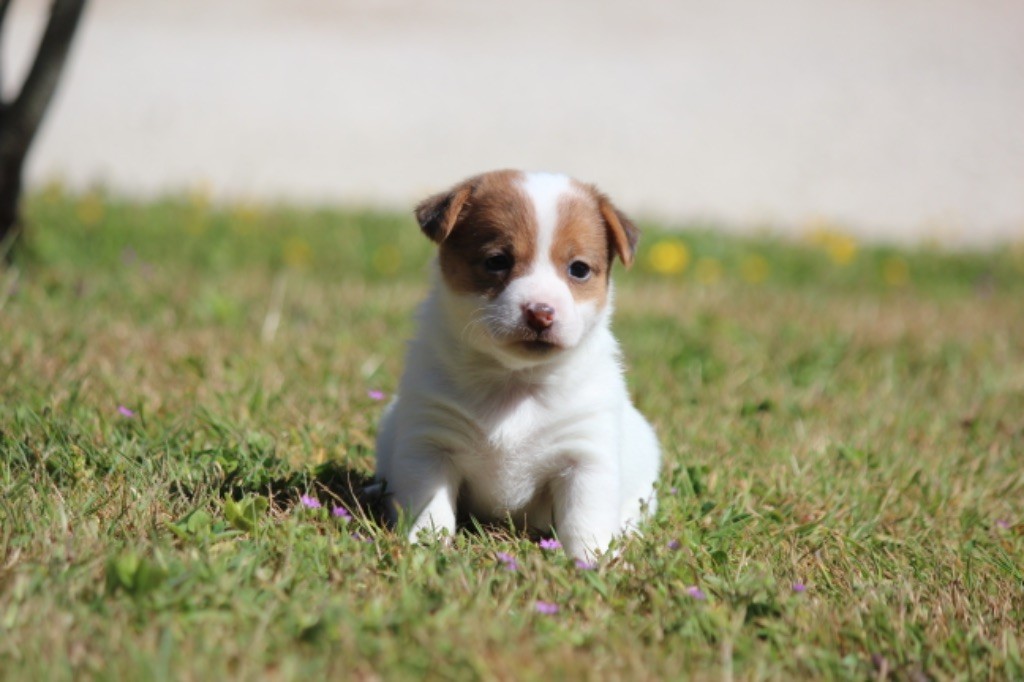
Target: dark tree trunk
<point x="10" y="195"/>
<point x="20" y="118"/>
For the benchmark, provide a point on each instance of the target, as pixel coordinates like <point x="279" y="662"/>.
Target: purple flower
<point x="1002" y="523"/>
<point x="341" y="513"/>
<point x="508" y="560"/>
<point x="374" y="394"/>
<point x="586" y="565"/>
<point x="550" y="543"/>
<point x="546" y="607"/>
<point x="125" y="412"/>
<point x="361" y="538"/>
<point x="799" y="587"/>
<point x="309" y="502"/>
<point x="674" y="491"/>
<point x="674" y="544"/>
<point x="696" y="593"/>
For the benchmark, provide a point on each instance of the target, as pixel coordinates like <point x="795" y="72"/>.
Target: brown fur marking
<point x="495" y="219"/>
<point x="581" y="235"/>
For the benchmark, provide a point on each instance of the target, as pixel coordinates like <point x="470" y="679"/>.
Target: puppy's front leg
<point x="425" y="488"/>
<point x="586" y="503"/>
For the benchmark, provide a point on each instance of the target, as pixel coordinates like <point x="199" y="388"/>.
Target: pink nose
<point x="538" y="316"/>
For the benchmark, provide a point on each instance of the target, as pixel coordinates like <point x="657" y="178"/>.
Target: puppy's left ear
<point x="622" y="233"/>
<point x="438" y="214"/>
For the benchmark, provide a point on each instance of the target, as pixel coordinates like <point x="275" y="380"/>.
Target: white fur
<point x="552" y="441"/>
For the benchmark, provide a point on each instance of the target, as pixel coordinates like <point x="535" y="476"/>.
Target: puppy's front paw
<point x="587" y="548"/>
<point x="428" y="534"/>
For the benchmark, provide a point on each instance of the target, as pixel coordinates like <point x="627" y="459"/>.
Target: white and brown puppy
<point x="513" y="403"/>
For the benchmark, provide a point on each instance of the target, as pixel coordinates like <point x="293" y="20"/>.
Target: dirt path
<point x="895" y="120"/>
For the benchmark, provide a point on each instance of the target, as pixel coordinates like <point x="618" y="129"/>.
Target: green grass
<point x="857" y="428"/>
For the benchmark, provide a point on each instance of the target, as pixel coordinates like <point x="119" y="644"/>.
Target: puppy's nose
<point x="539" y="316"/>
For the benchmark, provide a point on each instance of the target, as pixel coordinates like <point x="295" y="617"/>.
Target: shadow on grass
<point x="331" y="484"/>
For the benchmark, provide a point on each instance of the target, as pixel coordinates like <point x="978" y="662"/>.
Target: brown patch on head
<point x="581" y="240"/>
<point x="591" y="232"/>
<point x="481" y="223"/>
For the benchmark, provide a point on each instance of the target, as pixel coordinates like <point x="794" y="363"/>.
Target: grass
<point x="843" y="430"/>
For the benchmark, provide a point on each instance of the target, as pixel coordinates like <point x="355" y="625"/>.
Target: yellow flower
<point x="1018" y="256"/>
<point x="669" y="257"/>
<point x="840" y="248"/>
<point x="754" y="268"/>
<point x="54" y="190"/>
<point x="387" y="259"/>
<point x="895" y="271"/>
<point x="244" y="218"/>
<point x="296" y="252"/>
<point x="89" y="210"/>
<point x="708" y="270"/>
<point x="817" y="230"/>
<point x="199" y="196"/>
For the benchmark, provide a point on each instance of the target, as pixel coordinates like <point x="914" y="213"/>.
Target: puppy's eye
<point x="498" y="263"/>
<point x="579" y="270"/>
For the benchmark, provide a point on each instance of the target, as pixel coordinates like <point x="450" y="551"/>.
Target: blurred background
<point x="891" y="121"/>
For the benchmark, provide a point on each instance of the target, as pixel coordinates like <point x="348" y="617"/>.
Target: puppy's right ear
<point x="438" y="214"/>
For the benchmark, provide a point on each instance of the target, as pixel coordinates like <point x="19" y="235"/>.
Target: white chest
<point x="517" y="451"/>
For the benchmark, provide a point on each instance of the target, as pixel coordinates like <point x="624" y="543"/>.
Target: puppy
<point x="513" y="404"/>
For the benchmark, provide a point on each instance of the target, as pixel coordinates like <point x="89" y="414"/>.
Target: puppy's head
<point x="526" y="259"/>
